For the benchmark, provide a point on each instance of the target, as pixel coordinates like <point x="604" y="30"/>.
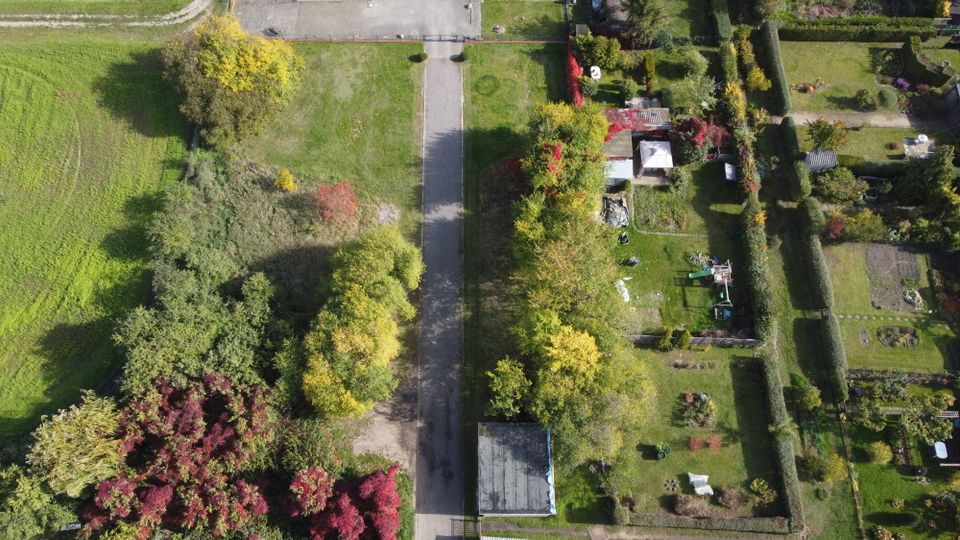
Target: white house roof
<point x="655" y="155"/>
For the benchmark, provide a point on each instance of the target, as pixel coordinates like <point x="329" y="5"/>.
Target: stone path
<point x="191" y="11"/>
<point x="439" y="469"/>
<point x="875" y="119"/>
<point x="674" y="234"/>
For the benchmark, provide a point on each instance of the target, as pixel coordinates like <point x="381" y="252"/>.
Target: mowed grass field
<point x="92" y="7"/>
<point x="356" y="117"/>
<point x="90" y="134"/>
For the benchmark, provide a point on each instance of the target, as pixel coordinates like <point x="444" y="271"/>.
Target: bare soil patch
<point x="889" y="268"/>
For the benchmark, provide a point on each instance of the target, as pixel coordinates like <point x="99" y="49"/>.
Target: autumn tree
<point x="355" y="336"/>
<point x="508" y="387"/>
<point x="182" y="447"/>
<point x="337" y="203"/>
<point x="827" y="135"/>
<point x="232" y="83"/>
<point x="285" y="181"/>
<point x="78" y="446"/>
<point x="368" y="507"/>
<point x="311" y="489"/>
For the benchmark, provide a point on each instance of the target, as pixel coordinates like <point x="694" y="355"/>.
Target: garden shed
<point x="515" y="470"/>
<point x="821" y="160"/>
<point x="618" y="167"/>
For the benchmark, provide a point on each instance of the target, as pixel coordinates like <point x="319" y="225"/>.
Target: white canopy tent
<point x="655" y="155"/>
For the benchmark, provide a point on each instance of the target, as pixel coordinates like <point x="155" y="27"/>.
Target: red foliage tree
<point x="182" y="448"/>
<point x="835" y="225"/>
<point x="693" y="129"/>
<point x="367" y="508"/>
<point x="574" y="72"/>
<point x="338" y="203"/>
<point x="342" y="519"/>
<point x="695" y="443"/>
<point x="311" y="489"/>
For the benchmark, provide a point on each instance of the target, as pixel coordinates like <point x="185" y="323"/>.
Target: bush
<point x="420" y="56"/>
<point x="836" y="354"/>
<point x="859" y="28"/>
<point x="666" y="340"/>
<point x="599" y="51"/>
<point x="771" y="46"/>
<point x="865" y="226"/>
<point x="800" y="186"/>
<point x="920" y="68"/>
<point x="589" y="86"/>
<point x="791" y="141"/>
<point x="338" y="203"/>
<point x="621" y="514"/>
<point x="692" y="63"/>
<point x="822" y="293"/>
<point x="721" y="19"/>
<point x="629" y="89"/>
<point x="757" y="81"/>
<point x="806" y="395"/>
<point x="866" y="101"/>
<point x="834" y="468"/>
<point x="285" y="181"/>
<point x="685" y="339"/>
<point x="840" y="186"/>
<point x="879" y="453"/>
<point x="887" y="98"/>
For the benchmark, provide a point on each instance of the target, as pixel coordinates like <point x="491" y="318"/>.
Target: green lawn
<point x="355" y="118"/>
<point x="879" y="484"/>
<point x="851" y="281"/>
<point x="871" y="143"/>
<point x="523" y="19"/>
<point x="930" y="355"/>
<point x="690" y="18"/>
<point x="737" y="389"/>
<point x="92" y="134"/>
<point x="845" y="67"/>
<point x="93" y="7"/>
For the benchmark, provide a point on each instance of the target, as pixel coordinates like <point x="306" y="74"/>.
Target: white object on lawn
<point x="622" y="289"/>
<point x="700" y="485"/>
<point x="595" y="73"/>
<point x="940" y="450"/>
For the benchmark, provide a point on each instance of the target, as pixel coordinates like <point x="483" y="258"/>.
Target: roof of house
<point x="618" y="169"/>
<point x="640" y="120"/>
<point x="821" y="160"/>
<point x="619" y="145"/>
<point x="515" y="470"/>
<point x="655" y="155"/>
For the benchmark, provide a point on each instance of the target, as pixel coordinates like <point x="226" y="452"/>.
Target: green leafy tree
<point x="827" y="135"/>
<point x="599" y="51"/>
<point x="646" y="19"/>
<point x="27" y="509"/>
<point x="869" y="416"/>
<point x="930" y="184"/>
<point x="232" y="83"/>
<point x="356" y="336"/>
<point x="78" y="446"/>
<point x="508" y="386"/>
<point x="834" y="468"/>
<point x="768" y="8"/>
<point x="921" y="419"/>
<point x="693" y="95"/>
<point x="865" y="226"/>
<point x="879" y="453"/>
<point x="840" y="186"/>
<point x="806" y="394"/>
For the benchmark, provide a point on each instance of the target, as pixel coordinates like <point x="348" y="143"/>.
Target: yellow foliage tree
<point x="285" y="181"/>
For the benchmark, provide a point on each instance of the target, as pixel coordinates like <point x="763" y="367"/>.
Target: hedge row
<point x="832" y="339"/>
<point x="800" y="186"/>
<point x="820" y="283"/>
<point x="728" y="62"/>
<point x="721" y="18"/>
<point x="812" y="215"/>
<point x="791" y="141"/>
<point x="920" y="68"/>
<point x="758" y="272"/>
<point x="875" y="29"/>
<point x="783" y="446"/>
<point x="777" y="525"/>
<point x="771" y="46"/>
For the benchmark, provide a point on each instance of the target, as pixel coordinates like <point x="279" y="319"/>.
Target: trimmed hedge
<point x="800" y="186"/>
<point x="721" y="19"/>
<point x="819" y="272"/>
<point x="832" y="339"/>
<point x="812" y="214"/>
<point x="728" y="62"/>
<point x="770" y="44"/>
<point x="860" y="28"/>
<point x="783" y="446"/>
<point x="777" y="525"/>
<point x="920" y="68"/>
<point x="791" y="141"/>
<point x="758" y="272"/>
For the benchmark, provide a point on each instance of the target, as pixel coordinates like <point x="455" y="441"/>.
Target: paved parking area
<point x="362" y="19"/>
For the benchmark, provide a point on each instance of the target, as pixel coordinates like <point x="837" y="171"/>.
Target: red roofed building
<point x="653" y="122"/>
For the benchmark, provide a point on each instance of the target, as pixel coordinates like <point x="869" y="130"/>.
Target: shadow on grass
<point x="136" y="92"/>
<point x="752" y="418"/>
<point x="551" y="58"/>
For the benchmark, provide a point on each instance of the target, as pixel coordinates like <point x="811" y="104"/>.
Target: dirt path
<point x="193" y="10"/>
<point x="875" y="119"/>
<point x="439" y="470"/>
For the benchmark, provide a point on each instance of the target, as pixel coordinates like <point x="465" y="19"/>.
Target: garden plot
<point x="710" y="414"/>
<point x="842" y="68"/>
<point x="893" y="273"/>
<point x="872" y="278"/>
<point x="908" y="345"/>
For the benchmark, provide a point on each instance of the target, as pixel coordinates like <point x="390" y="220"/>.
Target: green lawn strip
<point x="845" y="67"/>
<point x="92" y="7"/>
<point x="523" y="19"/>
<point x="660" y="290"/>
<point x="737" y="390"/>
<point x="502" y="85"/>
<point x="872" y="144"/>
<point x="97" y="137"/>
<point x="355" y="118"/>
<point x="879" y="484"/>
<point x="690" y="18"/>
<point x="929" y="355"/>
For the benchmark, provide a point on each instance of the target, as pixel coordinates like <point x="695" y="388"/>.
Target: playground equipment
<point x="722" y="274"/>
